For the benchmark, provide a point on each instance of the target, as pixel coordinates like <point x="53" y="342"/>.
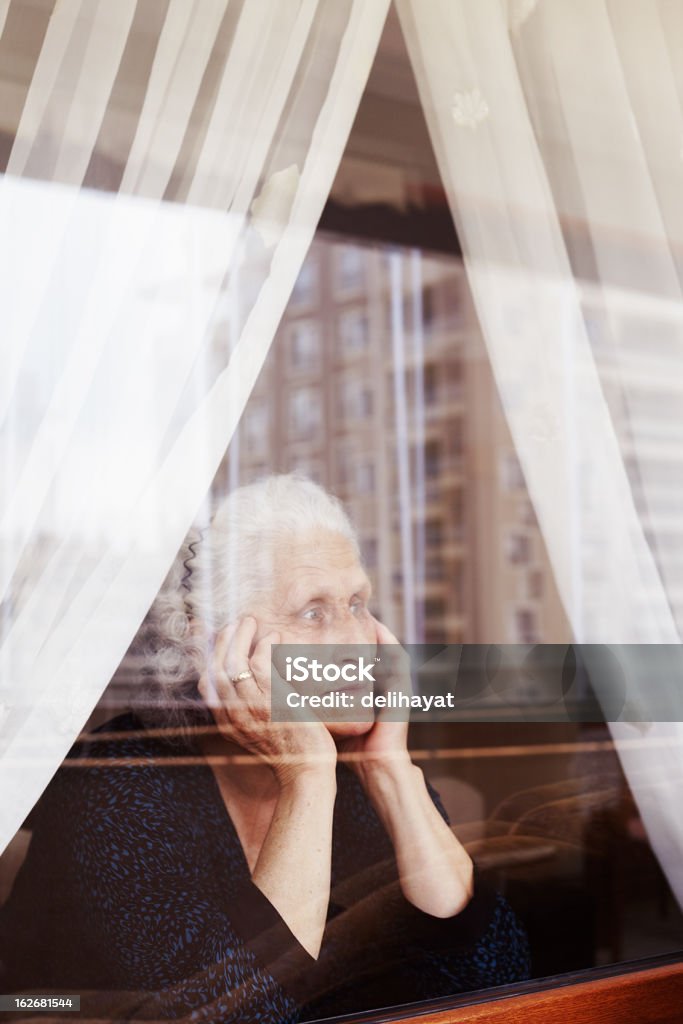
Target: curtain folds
<point x="557" y="128"/>
<point x="165" y="167"/>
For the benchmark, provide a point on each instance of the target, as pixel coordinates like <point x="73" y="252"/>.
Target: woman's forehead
<point x="324" y="562"/>
<point x="319" y="550"/>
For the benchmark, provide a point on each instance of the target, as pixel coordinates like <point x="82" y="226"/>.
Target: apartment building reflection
<point x="378" y="386"/>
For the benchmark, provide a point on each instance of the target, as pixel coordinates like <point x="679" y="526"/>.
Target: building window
<point x="535" y="584"/>
<point x="511" y="472"/>
<point x="354" y="331"/>
<point x="305" y="290"/>
<point x="435" y="609"/>
<point x="305" y="345"/>
<point x="365" y="402"/>
<point x="434" y="532"/>
<point x="350" y="268"/>
<point x="356" y="400"/>
<point x="434" y="569"/>
<point x="458" y="506"/>
<point x="430" y="380"/>
<point x="428" y="306"/>
<point x="457" y="578"/>
<point x="456" y="443"/>
<point x="518" y="548"/>
<point x="433" y="460"/>
<point x="305" y="413"/>
<point x="256" y="422"/>
<point x="455" y="378"/>
<point x="526" y="631"/>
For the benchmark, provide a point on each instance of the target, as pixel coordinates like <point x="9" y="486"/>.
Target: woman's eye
<point x="313" y="614"/>
<point x="357" y="606"/>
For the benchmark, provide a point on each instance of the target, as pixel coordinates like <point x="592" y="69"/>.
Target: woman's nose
<point x="347" y="628"/>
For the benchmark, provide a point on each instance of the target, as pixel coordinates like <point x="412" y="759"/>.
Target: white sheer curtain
<point x="558" y="127"/>
<point x="167" y="167"/>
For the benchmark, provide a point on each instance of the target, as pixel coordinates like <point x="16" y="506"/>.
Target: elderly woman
<point x="227" y="867"/>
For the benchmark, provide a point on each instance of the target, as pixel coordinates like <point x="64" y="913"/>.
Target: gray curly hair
<point x="219" y="574"/>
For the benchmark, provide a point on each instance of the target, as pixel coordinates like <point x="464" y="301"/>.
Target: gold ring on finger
<point x="247" y="674"/>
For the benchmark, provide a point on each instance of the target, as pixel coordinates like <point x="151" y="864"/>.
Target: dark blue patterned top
<point x="136" y="887"/>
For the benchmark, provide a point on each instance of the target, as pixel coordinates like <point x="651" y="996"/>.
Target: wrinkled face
<point x="320" y="596"/>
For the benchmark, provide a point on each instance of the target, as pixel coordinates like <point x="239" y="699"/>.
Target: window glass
<point x="461" y="546"/>
<point x="518" y="546"/>
<point x="349" y="269"/>
<point x="305" y="291"/>
<point x="450" y="543"/>
<point x="305" y="413"/>
<point x="353" y="331"/>
<point x="147" y="868"/>
<point x="256" y="425"/>
<point x="305" y="345"/>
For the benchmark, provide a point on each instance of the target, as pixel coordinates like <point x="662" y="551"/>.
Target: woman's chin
<point x="346" y="730"/>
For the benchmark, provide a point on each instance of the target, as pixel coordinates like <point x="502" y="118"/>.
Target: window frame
<point x="642" y="992"/>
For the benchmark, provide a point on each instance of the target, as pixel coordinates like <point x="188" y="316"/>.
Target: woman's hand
<point x="242" y="706"/>
<point x="386" y="742"/>
<point x="293" y="866"/>
<point x="434" y="869"/>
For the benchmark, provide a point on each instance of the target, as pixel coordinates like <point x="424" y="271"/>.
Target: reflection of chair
<point x="538" y="845"/>
<point x="556" y="812"/>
